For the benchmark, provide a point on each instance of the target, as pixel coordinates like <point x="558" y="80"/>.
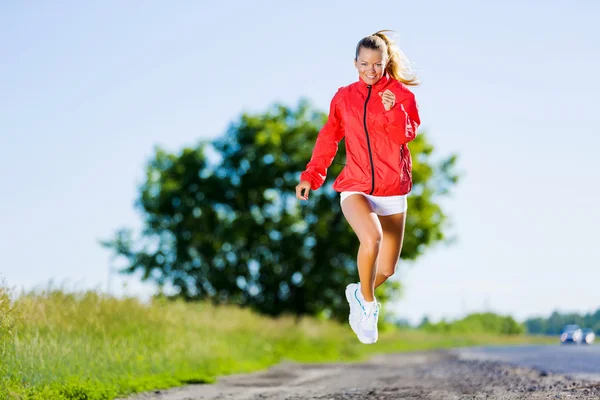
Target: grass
<point x="59" y="345"/>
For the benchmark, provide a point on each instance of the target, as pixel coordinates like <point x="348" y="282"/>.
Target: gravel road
<point x="429" y="375"/>
<point x="581" y="361"/>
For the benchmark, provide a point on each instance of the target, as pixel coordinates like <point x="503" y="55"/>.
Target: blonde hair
<point x="398" y="65"/>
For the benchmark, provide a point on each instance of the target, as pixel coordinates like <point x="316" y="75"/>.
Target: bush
<point x="477" y="323"/>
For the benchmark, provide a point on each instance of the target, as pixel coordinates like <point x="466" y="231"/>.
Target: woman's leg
<point x="364" y="222"/>
<point x="391" y="245"/>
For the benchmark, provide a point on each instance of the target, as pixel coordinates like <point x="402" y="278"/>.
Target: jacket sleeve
<point x="401" y="122"/>
<point x="326" y="146"/>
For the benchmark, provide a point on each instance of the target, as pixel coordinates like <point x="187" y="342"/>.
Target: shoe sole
<point x="349" y="299"/>
<point x="365" y="340"/>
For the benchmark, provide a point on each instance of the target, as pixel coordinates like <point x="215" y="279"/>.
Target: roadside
<point x="433" y="375"/>
<point x="121" y="346"/>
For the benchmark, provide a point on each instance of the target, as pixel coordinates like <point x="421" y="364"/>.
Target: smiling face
<point x="370" y="65"/>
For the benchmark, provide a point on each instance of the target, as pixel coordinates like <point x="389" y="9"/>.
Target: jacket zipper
<point x="369" y="143"/>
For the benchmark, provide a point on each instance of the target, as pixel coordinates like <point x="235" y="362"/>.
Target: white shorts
<point x="382" y="205"/>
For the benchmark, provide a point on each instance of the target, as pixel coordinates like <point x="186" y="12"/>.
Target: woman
<point x="378" y="115"/>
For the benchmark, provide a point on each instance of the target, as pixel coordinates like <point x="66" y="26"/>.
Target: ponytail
<point x="398" y="65"/>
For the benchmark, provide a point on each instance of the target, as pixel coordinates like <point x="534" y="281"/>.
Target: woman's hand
<point x="388" y="98"/>
<point x="303" y="185"/>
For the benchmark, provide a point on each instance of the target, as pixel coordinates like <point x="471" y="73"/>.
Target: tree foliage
<point x="221" y="220"/>
<point x="556" y="321"/>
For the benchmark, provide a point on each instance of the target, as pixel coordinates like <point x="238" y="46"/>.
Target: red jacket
<point x="378" y="161"/>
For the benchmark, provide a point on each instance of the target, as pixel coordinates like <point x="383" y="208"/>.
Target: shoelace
<point x="370" y="320"/>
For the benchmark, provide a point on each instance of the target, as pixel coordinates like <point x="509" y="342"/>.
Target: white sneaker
<point x="356" y="308"/>
<point x="367" y="327"/>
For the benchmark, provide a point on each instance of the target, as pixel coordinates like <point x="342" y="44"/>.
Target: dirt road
<point x="431" y="375"/>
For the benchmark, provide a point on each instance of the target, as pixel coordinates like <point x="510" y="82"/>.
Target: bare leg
<point x="366" y="225"/>
<point x="391" y="245"/>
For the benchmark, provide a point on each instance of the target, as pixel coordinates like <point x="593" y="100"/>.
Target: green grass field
<point x="58" y="345"/>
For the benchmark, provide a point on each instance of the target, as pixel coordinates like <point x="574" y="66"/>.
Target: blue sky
<point x="87" y="90"/>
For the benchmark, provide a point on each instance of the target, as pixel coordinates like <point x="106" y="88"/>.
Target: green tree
<point x="221" y="220"/>
<point x="556" y="321"/>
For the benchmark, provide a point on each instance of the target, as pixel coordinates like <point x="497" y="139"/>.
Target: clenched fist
<point x="388" y="98"/>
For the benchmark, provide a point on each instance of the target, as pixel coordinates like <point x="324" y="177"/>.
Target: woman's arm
<point x="326" y="147"/>
<point x="402" y="120"/>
